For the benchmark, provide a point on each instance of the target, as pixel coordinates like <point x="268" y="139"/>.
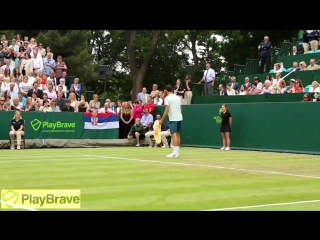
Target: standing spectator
<point x="265" y="58"/>
<point x="209" y="77"/>
<point x="314" y="40"/>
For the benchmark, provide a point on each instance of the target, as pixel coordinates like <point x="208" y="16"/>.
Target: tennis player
<point x="173" y="110"/>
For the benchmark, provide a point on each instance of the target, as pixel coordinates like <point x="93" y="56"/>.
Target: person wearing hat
<point x="292" y="88"/>
<point x="136" y="131"/>
<point x="160" y="133"/>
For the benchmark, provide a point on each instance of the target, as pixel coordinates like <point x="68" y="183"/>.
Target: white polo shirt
<point x="174" y="102"/>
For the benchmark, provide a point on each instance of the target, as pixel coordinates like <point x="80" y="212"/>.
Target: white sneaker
<point x="18" y="147"/>
<point x="223" y="148"/>
<point x="12" y="147"/>
<point x="172" y="155"/>
<point x="138" y="145"/>
<point x="165" y="146"/>
<point x="227" y="149"/>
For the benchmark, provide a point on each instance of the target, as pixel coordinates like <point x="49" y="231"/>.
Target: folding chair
<point x="23" y="139"/>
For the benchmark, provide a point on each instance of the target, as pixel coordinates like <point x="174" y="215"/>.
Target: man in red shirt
<point x="150" y="106"/>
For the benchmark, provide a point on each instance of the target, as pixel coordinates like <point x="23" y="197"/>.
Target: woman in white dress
<point x="243" y="89"/>
<point x="230" y="91"/>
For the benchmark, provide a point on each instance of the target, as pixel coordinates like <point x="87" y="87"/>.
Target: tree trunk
<point x="193" y="39"/>
<point x="137" y="75"/>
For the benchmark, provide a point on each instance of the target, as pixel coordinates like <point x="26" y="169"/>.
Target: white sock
<point x="176" y="150"/>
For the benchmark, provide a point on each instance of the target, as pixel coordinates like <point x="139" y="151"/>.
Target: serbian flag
<point x="98" y="121"/>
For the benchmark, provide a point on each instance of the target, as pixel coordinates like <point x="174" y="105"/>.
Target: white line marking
<point x="19" y="206"/>
<point x="263" y="205"/>
<point x="207" y="166"/>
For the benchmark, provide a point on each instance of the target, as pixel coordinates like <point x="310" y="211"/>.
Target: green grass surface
<point x="144" y="179"/>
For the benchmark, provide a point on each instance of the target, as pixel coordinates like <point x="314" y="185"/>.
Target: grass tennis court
<point x="144" y="179"/>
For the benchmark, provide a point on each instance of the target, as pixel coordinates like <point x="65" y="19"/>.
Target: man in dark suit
<point x="265" y="57"/>
<point x="35" y="89"/>
<point x="234" y="85"/>
<point x="247" y="82"/>
<point x="222" y="90"/>
<point x="294" y="51"/>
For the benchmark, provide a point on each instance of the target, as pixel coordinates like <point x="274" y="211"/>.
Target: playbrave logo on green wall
<point x="58" y="126"/>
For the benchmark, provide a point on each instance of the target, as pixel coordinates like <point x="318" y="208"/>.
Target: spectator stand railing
<point x="252" y="66"/>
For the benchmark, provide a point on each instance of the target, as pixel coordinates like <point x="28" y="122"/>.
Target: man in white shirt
<point x="37" y="63"/>
<point x="106" y="109"/>
<point x="31" y="78"/>
<point x="8" y="65"/>
<point x="173" y="111"/>
<point x="209" y="77"/>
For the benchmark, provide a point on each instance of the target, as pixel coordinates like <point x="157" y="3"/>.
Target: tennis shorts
<point x="175" y="126"/>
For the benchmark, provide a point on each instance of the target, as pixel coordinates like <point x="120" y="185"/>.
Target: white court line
<point x="206" y="166"/>
<point x="19" y="206"/>
<point x="263" y="205"/>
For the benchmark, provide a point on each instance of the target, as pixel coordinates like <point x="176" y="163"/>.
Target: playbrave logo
<point x="47" y="126"/>
<point x="41" y="198"/>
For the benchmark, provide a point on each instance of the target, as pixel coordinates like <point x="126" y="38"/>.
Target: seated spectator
<point x="77" y="87"/>
<point x="72" y="90"/>
<point x="150" y="106"/>
<point x="45" y="98"/>
<point x="53" y="79"/>
<point x="64" y="87"/>
<point x="2" y="106"/>
<point x="50" y="92"/>
<point x="74" y="102"/>
<point x="281" y="88"/>
<point x="53" y="105"/>
<point x="94" y="104"/>
<point x="35" y="99"/>
<point x="314" y="88"/>
<point x="164" y="130"/>
<point x="82" y="106"/>
<point x="313" y="65"/>
<point x="16" y="86"/>
<point x="292" y="88"/>
<point x="295" y="67"/>
<point x="31" y="78"/>
<point x="267" y="88"/>
<point x="275" y="81"/>
<point x="137" y="132"/>
<point x="22" y="100"/>
<point x="303" y="66"/>
<point x="294" y="51"/>
<point x="15" y="104"/>
<point x="253" y="90"/>
<point x="243" y="89"/>
<point x="307" y="98"/>
<point x="24" y="86"/>
<point x="258" y="84"/>
<point x="17" y="74"/>
<point x="146" y="120"/>
<point x="17" y="129"/>
<point x="68" y="107"/>
<point x="83" y="98"/>
<point x="43" y="78"/>
<point x="299" y="86"/>
<point x="29" y="106"/>
<point x="278" y="67"/>
<point x="105" y="109"/>
<point x="61" y="102"/>
<point x="247" y="82"/>
<point x="61" y="91"/>
<point x="160" y="100"/>
<point x="45" y="106"/>
<point x="222" y="90"/>
<point x="230" y="91"/>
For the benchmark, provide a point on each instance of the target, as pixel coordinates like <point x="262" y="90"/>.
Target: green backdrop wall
<point x="283" y="127"/>
<point x="41" y="125"/>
